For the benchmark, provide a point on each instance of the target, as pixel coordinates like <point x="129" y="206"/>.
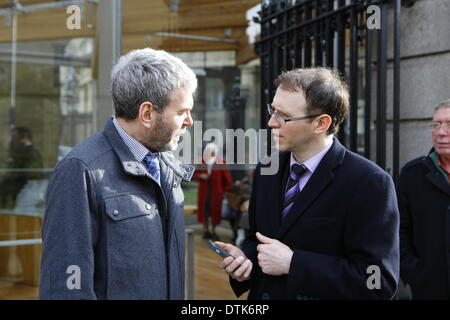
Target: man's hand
<point x="274" y="257"/>
<point x="239" y="267"/>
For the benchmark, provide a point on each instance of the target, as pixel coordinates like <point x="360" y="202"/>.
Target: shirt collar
<point x="441" y="164"/>
<point x="435" y="159"/>
<point x="137" y="149"/>
<point x="312" y="163"/>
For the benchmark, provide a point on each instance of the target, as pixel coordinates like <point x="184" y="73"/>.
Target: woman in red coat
<point x="214" y="180"/>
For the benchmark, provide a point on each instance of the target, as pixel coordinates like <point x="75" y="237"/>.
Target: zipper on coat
<point x="165" y="227"/>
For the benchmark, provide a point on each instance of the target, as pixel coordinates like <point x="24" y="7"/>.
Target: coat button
<point x="147" y="206"/>
<point x="115" y="212"/>
<point x="174" y="185"/>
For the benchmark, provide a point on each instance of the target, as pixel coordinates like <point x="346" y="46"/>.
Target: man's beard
<point x="162" y="138"/>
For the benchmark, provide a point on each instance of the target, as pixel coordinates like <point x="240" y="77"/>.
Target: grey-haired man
<point x="114" y="223"/>
<point x="424" y="203"/>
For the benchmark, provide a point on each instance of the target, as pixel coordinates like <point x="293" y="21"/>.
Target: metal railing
<point x="334" y="33"/>
<point x="13" y="243"/>
<point x="190" y="258"/>
<point x="190" y="265"/>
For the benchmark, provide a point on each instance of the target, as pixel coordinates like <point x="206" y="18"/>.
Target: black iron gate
<point x="350" y="36"/>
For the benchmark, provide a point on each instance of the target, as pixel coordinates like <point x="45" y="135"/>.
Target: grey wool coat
<point x="110" y="231"/>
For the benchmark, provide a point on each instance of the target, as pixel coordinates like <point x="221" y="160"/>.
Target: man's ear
<point x="147" y="114"/>
<point x="323" y="123"/>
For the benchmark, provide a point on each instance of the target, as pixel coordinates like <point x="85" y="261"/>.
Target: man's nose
<point x="273" y="122"/>
<point x="188" y="120"/>
<point x="443" y="130"/>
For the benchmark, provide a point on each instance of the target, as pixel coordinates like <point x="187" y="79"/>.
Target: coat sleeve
<point x="370" y="238"/>
<point x="409" y="261"/>
<point x="69" y="234"/>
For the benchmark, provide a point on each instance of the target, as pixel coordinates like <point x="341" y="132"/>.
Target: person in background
<point x="22" y="155"/>
<point x="214" y="181"/>
<point x="236" y="197"/>
<point x="424" y="203"/>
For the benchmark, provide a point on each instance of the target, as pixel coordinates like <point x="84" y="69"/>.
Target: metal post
<point x="329" y="37"/>
<point x="190" y="273"/>
<point x="353" y="80"/>
<point x="341" y="19"/>
<point x="307" y="37"/>
<point x="109" y="47"/>
<point x="12" y="106"/>
<point x="396" y="90"/>
<point x="367" y="93"/>
<point x="298" y="47"/>
<point x="381" y="89"/>
<point x="318" y="55"/>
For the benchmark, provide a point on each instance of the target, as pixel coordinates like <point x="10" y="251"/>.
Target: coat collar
<point x="133" y="167"/>
<point x="434" y="175"/>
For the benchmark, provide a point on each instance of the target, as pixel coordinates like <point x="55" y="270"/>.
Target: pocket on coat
<point x="136" y="254"/>
<point x="129" y="206"/>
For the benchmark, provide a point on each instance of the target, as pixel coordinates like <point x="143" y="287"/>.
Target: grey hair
<point x="443" y="104"/>
<point x="147" y="75"/>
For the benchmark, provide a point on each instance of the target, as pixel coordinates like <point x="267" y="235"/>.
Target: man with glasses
<point x="424" y="204"/>
<point x="325" y="226"/>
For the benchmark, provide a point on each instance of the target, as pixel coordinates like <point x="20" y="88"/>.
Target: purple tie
<point x="293" y="186"/>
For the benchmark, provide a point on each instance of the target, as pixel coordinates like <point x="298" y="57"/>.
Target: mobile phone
<point x="214" y="247"/>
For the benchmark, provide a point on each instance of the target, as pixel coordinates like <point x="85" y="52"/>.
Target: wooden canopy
<point x="142" y="23"/>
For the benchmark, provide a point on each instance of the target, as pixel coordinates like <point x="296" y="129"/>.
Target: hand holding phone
<point x="240" y="267"/>
<point x="221" y="252"/>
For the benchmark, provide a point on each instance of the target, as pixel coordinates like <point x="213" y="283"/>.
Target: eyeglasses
<point x="283" y="120"/>
<point x="438" y="125"/>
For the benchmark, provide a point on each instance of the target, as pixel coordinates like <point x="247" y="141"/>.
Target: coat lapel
<point x="320" y="179"/>
<point x="271" y="187"/>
